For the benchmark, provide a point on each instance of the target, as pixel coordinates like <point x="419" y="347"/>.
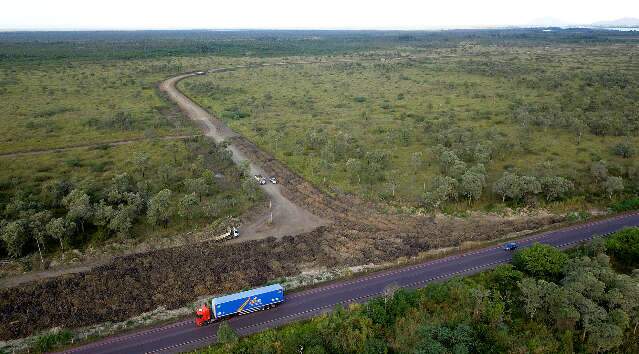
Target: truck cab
<point x="202" y="315"/>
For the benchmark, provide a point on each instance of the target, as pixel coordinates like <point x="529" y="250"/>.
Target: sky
<point x="304" y="14"/>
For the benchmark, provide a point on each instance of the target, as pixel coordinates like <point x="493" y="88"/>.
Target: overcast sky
<point x="324" y="14"/>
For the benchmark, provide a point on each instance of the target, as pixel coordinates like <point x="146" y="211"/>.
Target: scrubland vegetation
<point x="546" y="302"/>
<point x="149" y="186"/>
<point x="478" y="125"/>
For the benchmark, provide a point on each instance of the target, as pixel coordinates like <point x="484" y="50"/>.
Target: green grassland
<point x="318" y="117"/>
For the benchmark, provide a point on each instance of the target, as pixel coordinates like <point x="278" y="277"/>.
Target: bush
<point x="540" y="260"/>
<point x="624" y="150"/>
<point x="226" y="334"/>
<point x="626" y="205"/>
<point x="50" y="341"/>
<point x="234" y="113"/>
<point x="623" y="246"/>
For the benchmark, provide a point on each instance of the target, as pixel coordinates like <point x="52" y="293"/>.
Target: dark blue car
<point x="511" y="246"/>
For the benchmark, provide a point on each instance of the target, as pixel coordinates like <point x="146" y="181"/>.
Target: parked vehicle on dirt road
<point x="261" y="180"/>
<point x="239" y="304"/>
<point x="233" y="232"/>
<point x="273" y="179"/>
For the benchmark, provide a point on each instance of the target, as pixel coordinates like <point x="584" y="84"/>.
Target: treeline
<point x="202" y="184"/>
<point x="60" y="45"/>
<point x="460" y="179"/>
<point x="546" y="302"/>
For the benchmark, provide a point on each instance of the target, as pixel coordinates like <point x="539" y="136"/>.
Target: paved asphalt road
<point x="183" y="336"/>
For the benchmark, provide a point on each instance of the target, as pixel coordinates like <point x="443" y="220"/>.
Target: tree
<point x="354" y="168"/>
<point x="141" y="162"/>
<point x="102" y="214"/>
<point x="508" y="187"/>
<point x="159" y="208"/>
<point x="457" y="169"/>
<point x="442" y="189"/>
<point x="483" y="153"/>
<point x="623" y="246"/>
<point x="447" y="159"/>
<point x="579" y="128"/>
<point x="555" y="187"/>
<point x="120" y="184"/>
<point x="134" y="204"/>
<point x="197" y="186"/>
<point x="121" y="221"/>
<point x="198" y="166"/>
<point x="226" y="334"/>
<point x="15" y="238"/>
<point x="416" y="161"/>
<point x="599" y="171"/>
<point x="613" y="185"/>
<point x="471" y="185"/>
<point x="624" y="150"/>
<point x="540" y="260"/>
<point x="535" y="294"/>
<point x="251" y="189"/>
<point x="167" y="174"/>
<point x="529" y="185"/>
<point x="208" y="182"/>
<point x="60" y="229"/>
<point x="78" y="205"/>
<point x="244" y="167"/>
<point x="37" y="228"/>
<point x="54" y="191"/>
<point x="187" y="206"/>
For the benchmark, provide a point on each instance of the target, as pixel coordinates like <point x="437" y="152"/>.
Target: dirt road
<point x="284" y="217"/>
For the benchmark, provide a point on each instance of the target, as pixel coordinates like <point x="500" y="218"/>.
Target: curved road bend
<point x="184" y="336"/>
<point x="287" y="217"/>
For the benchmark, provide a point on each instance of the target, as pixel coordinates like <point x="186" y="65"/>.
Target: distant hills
<point x="622" y="22"/>
<point x="555" y="22"/>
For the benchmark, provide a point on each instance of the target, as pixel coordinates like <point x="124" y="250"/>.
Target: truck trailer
<point x="240" y="303"/>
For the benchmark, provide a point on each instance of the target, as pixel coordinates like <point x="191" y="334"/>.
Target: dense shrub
<point x="626" y="205"/>
<point x="623" y="246"/>
<point x="540" y="260"/>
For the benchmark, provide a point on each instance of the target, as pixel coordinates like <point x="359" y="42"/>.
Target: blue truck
<point x="240" y="303"/>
